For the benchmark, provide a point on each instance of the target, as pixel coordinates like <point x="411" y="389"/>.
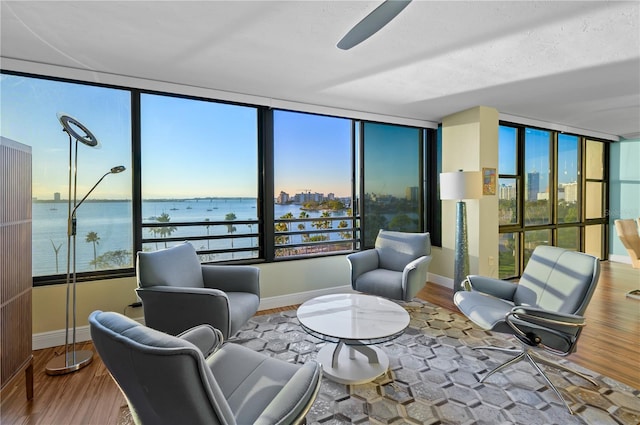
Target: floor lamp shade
<point x="460" y="185"/>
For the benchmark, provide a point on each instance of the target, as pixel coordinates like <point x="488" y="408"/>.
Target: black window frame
<point x="430" y="160"/>
<point x="520" y="227"/>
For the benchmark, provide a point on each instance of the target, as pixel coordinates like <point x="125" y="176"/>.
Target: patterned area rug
<point x="433" y="378"/>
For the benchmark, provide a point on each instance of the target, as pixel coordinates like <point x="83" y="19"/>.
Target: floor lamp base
<point x="60" y="366"/>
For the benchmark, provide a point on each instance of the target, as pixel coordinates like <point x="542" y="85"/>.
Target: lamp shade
<point x="459" y="185"/>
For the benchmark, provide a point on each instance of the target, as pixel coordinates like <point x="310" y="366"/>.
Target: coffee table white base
<point x="352" y="364"/>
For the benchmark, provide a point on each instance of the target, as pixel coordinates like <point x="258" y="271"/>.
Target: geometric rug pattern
<point x="433" y="378"/>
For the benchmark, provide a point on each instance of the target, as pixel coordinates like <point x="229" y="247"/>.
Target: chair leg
<point x="531" y="357"/>
<point x="504" y="350"/>
<point x="541" y="359"/>
<point x="514" y="360"/>
<point x="544" y="375"/>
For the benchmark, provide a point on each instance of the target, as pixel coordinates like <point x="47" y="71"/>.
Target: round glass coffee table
<point x="353" y="324"/>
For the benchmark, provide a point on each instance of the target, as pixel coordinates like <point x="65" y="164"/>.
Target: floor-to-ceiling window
<point x="552" y="192"/>
<point x="241" y="183"/>
<point x="392" y="179"/>
<point x="199" y="176"/>
<point x="30" y="108"/>
<point x="312" y="184"/>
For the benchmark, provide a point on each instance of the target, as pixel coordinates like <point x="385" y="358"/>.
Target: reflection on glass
<point x="391" y="180"/>
<point x="537" y="208"/>
<point x="29" y="108"/>
<point x="211" y="176"/>
<point x="534" y="238"/>
<point x="507" y="201"/>
<point x="593" y="200"/>
<point x="567" y="172"/>
<point x="312" y="183"/>
<point x="507" y="150"/>
<point x="594" y="162"/>
<point x="593" y="240"/>
<point x="569" y="238"/>
<point x="509" y="254"/>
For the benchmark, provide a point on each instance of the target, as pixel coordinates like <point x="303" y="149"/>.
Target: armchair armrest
<point x="553" y="331"/>
<point x="294" y="400"/>
<point x="362" y="262"/>
<point x="232" y="278"/>
<point x="419" y="262"/>
<point x="207" y="338"/>
<point x="546" y="317"/>
<point x="174" y="309"/>
<point x="498" y="288"/>
<point x="414" y="276"/>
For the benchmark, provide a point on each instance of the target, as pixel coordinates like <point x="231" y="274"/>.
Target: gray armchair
<point x="544" y="310"/>
<point x="397" y="267"/>
<point x="194" y="378"/>
<point x="178" y="292"/>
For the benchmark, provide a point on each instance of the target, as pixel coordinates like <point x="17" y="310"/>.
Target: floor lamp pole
<point x="72" y="359"/>
<point x="461" y="268"/>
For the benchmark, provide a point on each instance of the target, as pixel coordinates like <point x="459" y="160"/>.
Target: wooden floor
<point x="610" y="345"/>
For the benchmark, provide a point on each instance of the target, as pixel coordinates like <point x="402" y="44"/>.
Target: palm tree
<point x="230" y="227"/>
<point x="166" y="230"/>
<point x="322" y="224"/>
<point x="250" y="226"/>
<point x="92" y="237"/>
<point x="56" y="250"/>
<point x="283" y="227"/>
<point x="303" y="226"/>
<point x="207" y="226"/>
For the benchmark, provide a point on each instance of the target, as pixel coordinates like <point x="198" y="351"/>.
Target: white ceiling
<point x="572" y="63"/>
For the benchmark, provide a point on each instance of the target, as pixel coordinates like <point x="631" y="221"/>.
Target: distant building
<point x="533" y="186"/>
<point x="571" y="192"/>
<point x="507" y="192"/>
<point x="56" y="196"/>
<point x="411" y="193"/>
<point x="283" y="198"/>
<point x="301" y="198"/>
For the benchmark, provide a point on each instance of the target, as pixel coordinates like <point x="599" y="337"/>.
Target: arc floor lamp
<point x="73" y="359"/>
<point x="460" y="185"/>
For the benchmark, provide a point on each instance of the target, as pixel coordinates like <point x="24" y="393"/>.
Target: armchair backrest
<point x="178" y="265"/>
<point x="164" y="378"/>
<point x="397" y="249"/>
<point x="558" y="280"/>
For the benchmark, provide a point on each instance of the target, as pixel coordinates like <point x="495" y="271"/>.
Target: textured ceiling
<point x="571" y="63"/>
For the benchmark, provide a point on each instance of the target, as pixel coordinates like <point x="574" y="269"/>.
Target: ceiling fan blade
<point x="372" y="23"/>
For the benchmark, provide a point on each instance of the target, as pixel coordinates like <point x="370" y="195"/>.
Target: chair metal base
<point x="528" y="354"/>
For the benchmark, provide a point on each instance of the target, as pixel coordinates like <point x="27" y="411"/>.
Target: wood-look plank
<point x="609" y="345"/>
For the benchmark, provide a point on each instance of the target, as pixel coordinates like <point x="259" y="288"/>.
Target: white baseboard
<point x="300" y="297"/>
<point x="447" y="282"/>
<point x="620" y="258"/>
<point x="57" y="337"/>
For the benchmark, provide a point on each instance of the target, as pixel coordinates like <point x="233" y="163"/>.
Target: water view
<point x="106" y="226"/>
